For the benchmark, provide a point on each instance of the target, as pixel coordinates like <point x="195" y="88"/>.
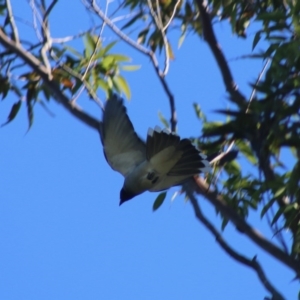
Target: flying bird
<point x="161" y="162"/>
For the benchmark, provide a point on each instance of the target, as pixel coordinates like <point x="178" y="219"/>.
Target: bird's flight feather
<point x="123" y="149"/>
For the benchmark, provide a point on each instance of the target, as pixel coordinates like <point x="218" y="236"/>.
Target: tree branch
<point x="158" y="22"/>
<point x="12" y="22"/>
<point x="210" y="38"/>
<point x="36" y="65"/>
<point x="201" y="187"/>
<point x="145" y="51"/>
<point x="230" y="251"/>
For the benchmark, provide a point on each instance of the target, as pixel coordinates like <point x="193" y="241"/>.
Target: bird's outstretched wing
<point x="123" y="149"/>
<point x="174" y="158"/>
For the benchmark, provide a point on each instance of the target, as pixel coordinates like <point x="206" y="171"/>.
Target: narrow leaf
<point x="13" y="112"/>
<point x="131" y="67"/>
<point x="256" y="39"/>
<point x="267" y="207"/>
<point x="133" y="20"/>
<point x="122" y="85"/>
<point x="277" y="215"/>
<point x="159" y="201"/>
<point x="163" y="120"/>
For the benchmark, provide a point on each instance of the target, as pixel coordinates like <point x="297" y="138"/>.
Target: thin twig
<point x="252" y="263"/>
<point x="49" y="9"/>
<point x="36" y="16"/>
<point x="158" y="21"/>
<point x="12" y="22"/>
<point x="97" y="43"/>
<point x="172" y="16"/>
<point x="47" y="41"/>
<point x="262" y="72"/>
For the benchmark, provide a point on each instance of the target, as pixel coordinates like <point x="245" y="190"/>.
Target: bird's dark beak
<point x="125" y="196"/>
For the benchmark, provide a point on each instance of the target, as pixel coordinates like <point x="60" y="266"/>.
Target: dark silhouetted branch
<point x="201" y="187"/>
<point x="252" y="263"/>
<point x="210" y="38"/>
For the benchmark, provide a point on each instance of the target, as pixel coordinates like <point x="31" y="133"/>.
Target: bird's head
<point x="125" y="195"/>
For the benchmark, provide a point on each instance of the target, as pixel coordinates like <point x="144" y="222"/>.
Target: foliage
<point x="256" y="130"/>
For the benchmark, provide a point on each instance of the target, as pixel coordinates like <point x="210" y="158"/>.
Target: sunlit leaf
<point x="163" y="120"/>
<point x="130" y="67"/>
<point x="120" y="57"/>
<point x="122" y="85"/>
<point x="104" y="50"/>
<point x="170" y="52"/>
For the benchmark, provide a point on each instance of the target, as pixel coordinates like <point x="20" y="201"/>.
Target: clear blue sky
<point x="62" y="232"/>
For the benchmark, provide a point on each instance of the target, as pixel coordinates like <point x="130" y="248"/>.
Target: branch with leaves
<point x="42" y="71"/>
<point x="145" y="51"/>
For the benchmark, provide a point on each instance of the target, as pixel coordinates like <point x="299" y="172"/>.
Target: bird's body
<point x="163" y="161"/>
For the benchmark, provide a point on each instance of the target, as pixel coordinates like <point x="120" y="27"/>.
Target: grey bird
<point x="161" y="162"/>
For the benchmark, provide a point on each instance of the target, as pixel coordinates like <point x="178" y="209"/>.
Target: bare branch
<point x="12" y="22"/>
<point x="36" y="65"/>
<point x="172" y="16"/>
<point x="201" y="187"/>
<point x="97" y="44"/>
<point x="47" y="41"/>
<point x="158" y="21"/>
<point x="49" y="9"/>
<point x="252" y="263"/>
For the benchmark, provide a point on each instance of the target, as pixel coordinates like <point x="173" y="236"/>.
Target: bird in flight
<point x="161" y="162"/>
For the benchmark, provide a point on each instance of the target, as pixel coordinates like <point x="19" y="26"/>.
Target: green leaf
<point x="163" y="120"/>
<point x="142" y="36"/>
<point x="267" y="207"/>
<point x="224" y="223"/>
<point x="277" y="215"/>
<point x="181" y="39"/>
<point x="103" y="51"/>
<point x="120" y="57"/>
<point x="122" y="85"/>
<point x="276" y="16"/>
<point x="13" y="112"/>
<point x="90" y="44"/>
<point x="233" y="168"/>
<point x="133" y="20"/>
<point x="29" y="112"/>
<point x="4" y="86"/>
<point x="159" y="201"/>
<point x="100" y="83"/>
<point x="130" y="67"/>
<point x="107" y="63"/>
<point x="256" y="39"/>
<point x="246" y="151"/>
<point x="199" y="112"/>
<point x="280" y="192"/>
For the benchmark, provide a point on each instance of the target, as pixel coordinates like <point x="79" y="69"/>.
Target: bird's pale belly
<point x="141" y="179"/>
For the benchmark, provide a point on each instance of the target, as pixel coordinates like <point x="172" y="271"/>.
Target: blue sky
<point x="62" y="232"/>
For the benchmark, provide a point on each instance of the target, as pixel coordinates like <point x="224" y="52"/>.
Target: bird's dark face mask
<point x="125" y="196"/>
